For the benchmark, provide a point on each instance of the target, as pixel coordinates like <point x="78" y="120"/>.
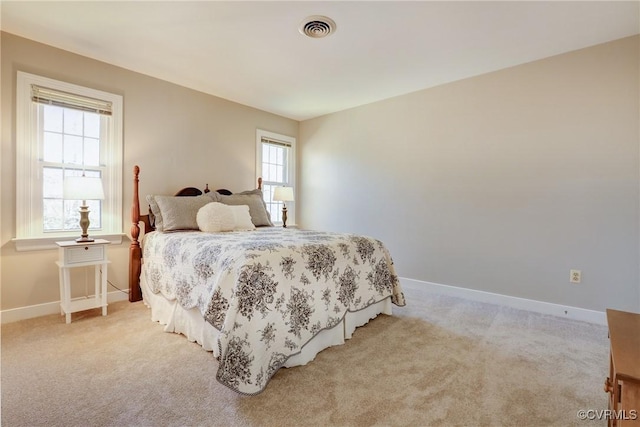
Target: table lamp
<point x="283" y="194"/>
<point x="83" y="188"/>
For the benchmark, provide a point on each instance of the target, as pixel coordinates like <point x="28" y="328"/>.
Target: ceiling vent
<point x="317" y="26"/>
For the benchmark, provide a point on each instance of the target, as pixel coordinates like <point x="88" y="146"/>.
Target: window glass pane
<point x="279" y="174"/>
<point x="52" y="147"/>
<point x="91" y="152"/>
<point x="73" y="149"/>
<point x="52" y="118"/>
<point x="267" y="192"/>
<point x="267" y="172"/>
<point x="273" y="154"/>
<point x="275" y="211"/>
<point x="92" y="125"/>
<point x="272" y="172"/>
<point x="73" y="121"/>
<point x="52" y="214"/>
<point x="52" y="183"/>
<point x="72" y="214"/>
<point x="280" y="156"/>
<point x="95" y="219"/>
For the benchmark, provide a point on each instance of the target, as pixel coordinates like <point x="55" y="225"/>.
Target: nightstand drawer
<point x="84" y="253"/>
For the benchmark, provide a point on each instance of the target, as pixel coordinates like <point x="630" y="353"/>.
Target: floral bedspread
<point x="268" y="291"/>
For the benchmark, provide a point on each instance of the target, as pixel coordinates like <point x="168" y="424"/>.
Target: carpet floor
<point x="439" y="361"/>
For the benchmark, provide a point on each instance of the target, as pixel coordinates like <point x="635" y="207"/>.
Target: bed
<point x="258" y="297"/>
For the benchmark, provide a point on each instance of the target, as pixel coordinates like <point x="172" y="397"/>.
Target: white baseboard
<point x="591" y="316"/>
<point x="22" y="313"/>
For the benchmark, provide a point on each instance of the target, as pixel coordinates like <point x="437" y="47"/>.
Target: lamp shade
<point x="83" y="188"/>
<point x="283" y="194"/>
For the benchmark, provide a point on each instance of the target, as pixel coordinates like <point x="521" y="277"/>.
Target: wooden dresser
<point x="623" y="384"/>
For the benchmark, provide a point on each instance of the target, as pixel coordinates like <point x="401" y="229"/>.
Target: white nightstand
<point x="71" y="255"/>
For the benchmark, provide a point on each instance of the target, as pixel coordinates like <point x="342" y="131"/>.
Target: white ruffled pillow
<point x="242" y="217"/>
<point x="214" y="217"/>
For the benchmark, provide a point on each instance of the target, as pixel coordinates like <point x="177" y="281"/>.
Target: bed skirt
<point x="192" y="325"/>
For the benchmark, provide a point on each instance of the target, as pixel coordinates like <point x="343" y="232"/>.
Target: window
<point x="276" y="165"/>
<point x="64" y="130"/>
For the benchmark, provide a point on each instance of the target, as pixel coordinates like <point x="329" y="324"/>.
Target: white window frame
<point x="29" y="229"/>
<point x="291" y="169"/>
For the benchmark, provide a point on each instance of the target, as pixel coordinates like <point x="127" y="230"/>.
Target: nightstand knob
<point x="86" y="248"/>
<point x="608" y="387"/>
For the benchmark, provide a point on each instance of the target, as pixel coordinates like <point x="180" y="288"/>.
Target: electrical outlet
<point x="575" y="276"/>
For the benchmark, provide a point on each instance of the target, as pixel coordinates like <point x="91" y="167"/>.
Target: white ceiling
<point x="253" y="54"/>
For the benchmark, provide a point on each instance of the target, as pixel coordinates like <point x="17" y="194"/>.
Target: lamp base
<point x="284" y="216"/>
<point x="84" y="224"/>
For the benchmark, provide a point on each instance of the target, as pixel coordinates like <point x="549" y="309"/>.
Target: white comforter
<point x="268" y="292"/>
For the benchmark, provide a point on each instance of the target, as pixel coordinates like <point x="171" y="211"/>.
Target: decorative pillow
<point x="253" y="199"/>
<point x="213" y="195"/>
<point x="176" y="213"/>
<point x="155" y="216"/>
<point x="214" y="217"/>
<point x="242" y="219"/>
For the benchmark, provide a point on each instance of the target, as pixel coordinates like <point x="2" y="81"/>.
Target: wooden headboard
<point x="135" y="251"/>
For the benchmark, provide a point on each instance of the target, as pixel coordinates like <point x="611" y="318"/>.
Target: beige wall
<point x="178" y="136"/>
<point x="500" y="183"/>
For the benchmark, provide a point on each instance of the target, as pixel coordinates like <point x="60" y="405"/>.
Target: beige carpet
<point x="440" y="361"/>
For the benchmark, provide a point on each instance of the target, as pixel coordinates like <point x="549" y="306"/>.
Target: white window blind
<point x="58" y="98"/>
<point x="275" y="142"/>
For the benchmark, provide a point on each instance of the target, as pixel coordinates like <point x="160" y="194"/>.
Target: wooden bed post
<point x="135" y="253"/>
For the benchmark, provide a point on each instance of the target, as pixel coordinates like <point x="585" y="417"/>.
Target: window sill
<point x="45" y="243"/>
